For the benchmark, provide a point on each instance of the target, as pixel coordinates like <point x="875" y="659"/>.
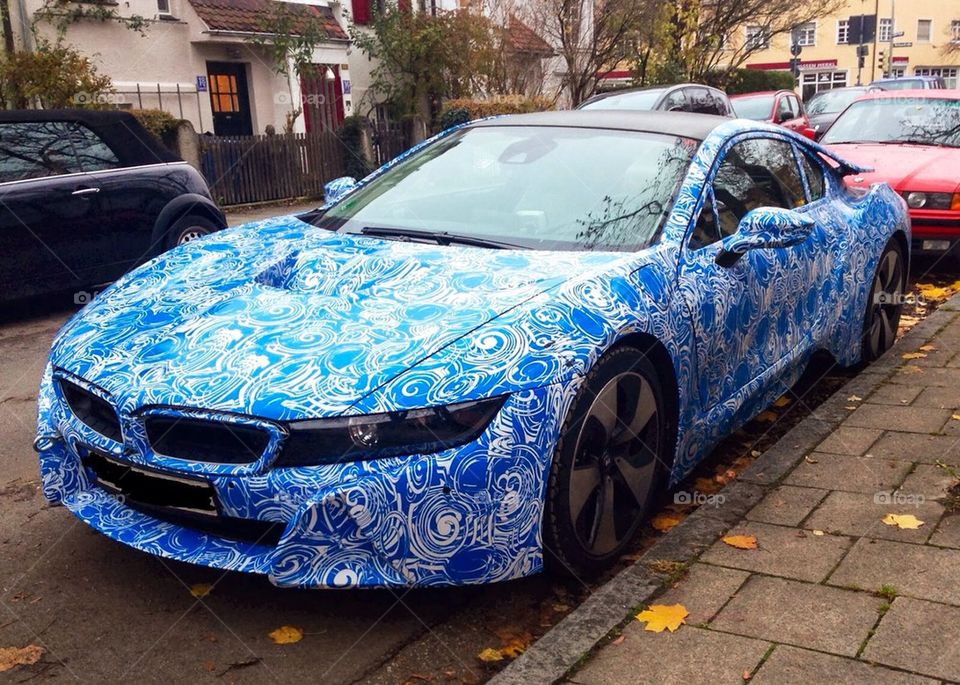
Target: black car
<point x="683" y="97"/>
<point x="824" y="107"/>
<point x="86" y="196"/>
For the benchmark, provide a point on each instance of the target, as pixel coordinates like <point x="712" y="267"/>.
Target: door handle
<point x="85" y="191"/>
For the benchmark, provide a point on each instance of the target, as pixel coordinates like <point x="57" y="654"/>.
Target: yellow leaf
<point x="955" y="417"/>
<point x="910" y="369"/>
<point x="903" y="521"/>
<point x="913" y="355"/>
<point x="741" y="541"/>
<point x="782" y="401"/>
<point x="660" y="617"/>
<point x="767" y="417"/>
<point x="927" y="348"/>
<point x="818" y="533"/>
<point x="490" y="654"/>
<point x="854" y="398"/>
<point x="286" y="635"/>
<point x="200" y="589"/>
<point x="664" y="522"/>
<point x="513" y="649"/>
<point x="11" y="657"/>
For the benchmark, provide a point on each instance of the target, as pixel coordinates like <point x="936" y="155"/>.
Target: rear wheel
<point x="885" y="303"/>
<point x="190" y="228"/>
<point x="607" y="465"/>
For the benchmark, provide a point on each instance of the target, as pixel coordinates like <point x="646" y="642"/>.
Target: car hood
<point x="904" y="167"/>
<point x="284" y="320"/>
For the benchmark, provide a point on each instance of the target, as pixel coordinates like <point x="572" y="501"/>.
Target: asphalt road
<point x="102" y="611"/>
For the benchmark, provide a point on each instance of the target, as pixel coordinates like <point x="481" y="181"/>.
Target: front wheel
<point x="190" y="228"/>
<point x="607" y="464"/>
<point x="885" y="303"/>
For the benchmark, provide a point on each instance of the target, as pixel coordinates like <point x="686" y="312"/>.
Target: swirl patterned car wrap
<point x="265" y="327"/>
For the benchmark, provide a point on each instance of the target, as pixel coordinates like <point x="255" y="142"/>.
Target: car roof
<point x="906" y="78"/>
<point x="683" y="124"/>
<point x="121" y="131"/>
<point x="924" y="93"/>
<point x="663" y="87"/>
<point x="758" y="93"/>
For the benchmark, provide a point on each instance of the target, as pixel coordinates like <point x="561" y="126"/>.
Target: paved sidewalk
<point x="246" y="213"/>
<point x="832" y="594"/>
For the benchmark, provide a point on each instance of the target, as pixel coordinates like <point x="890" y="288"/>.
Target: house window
<point x="757" y="38"/>
<point x="924" y="30"/>
<point x="897" y="72"/>
<point x="955" y="31"/>
<point x="843" y="32"/>
<point x="806" y="34"/>
<point x="163" y="6"/>
<point x="814" y="81"/>
<point x="949" y="74"/>
<point x="885" y="31"/>
<point x="361" y="12"/>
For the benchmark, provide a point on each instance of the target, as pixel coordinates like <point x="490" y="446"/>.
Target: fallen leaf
<point x="955" y="417"/>
<point x="11" y="657"/>
<point x="913" y="355"/>
<point x="490" y="654"/>
<point x="199" y="590"/>
<point x="818" y="533"/>
<point x="811" y="460"/>
<point x="782" y="401"/>
<point x="746" y="675"/>
<point x="660" y="617"/>
<point x="903" y="521"/>
<point x="619" y="640"/>
<point x="927" y="348"/>
<point x="664" y="522"/>
<point x="755" y="453"/>
<point x="707" y="486"/>
<point x="854" y="398"/>
<point x="741" y="541"/>
<point x="209" y="666"/>
<point x="850" y="408"/>
<point x="911" y="369"/>
<point x="286" y="635"/>
<point x="767" y="417"/>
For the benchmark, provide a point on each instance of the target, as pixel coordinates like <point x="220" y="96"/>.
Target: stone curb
<point x="563" y="646"/>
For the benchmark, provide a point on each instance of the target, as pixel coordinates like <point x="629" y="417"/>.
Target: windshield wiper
<point x="914" y="141"/>
<point x="439" y="237"/>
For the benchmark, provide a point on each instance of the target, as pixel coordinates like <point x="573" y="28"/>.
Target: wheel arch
<point x="179" y="207"/>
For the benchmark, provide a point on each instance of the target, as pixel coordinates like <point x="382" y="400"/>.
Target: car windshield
<point x="756" y="107"/>
<point x="923" y="121"/>
<point x="900" y="84"/>
<point x="638" y="99"/>
<point x="832" y="101"/>
<point x="555" y="188"/>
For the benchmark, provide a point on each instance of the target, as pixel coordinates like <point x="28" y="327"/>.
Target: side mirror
<point x="337" y="188"/>
<point x="765" y="228"/>
<point x="783" y="117"/>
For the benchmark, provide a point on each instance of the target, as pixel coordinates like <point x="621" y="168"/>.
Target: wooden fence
<point x="243" y="169"/>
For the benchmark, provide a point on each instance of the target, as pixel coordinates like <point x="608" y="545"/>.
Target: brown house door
<point x="229" y="98"/>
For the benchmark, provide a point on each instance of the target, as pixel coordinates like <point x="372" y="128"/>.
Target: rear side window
<point x="35" y="150"/>
<point x="815" y="176"/>
<point x="705" y="101"/>
<point x="92" y="153"/>
<point x="675" y="102"/>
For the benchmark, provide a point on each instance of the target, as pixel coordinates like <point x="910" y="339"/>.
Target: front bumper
<point x="466" y="515"/>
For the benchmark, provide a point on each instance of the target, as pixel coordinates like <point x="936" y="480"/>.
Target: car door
<point x="747" y="317"/>
<point x="789" y="113"/>
<point x="49" y="212"/>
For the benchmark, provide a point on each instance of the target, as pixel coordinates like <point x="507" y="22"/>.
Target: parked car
<point x="824" y="107"/>
<point x="506" y="341"/>
<point x="85" y="196"/>
<point x="776" y="107"/>
<point x="683" y="97"/>
<point x="912" y="141"/>
<point x="911" y="83"/>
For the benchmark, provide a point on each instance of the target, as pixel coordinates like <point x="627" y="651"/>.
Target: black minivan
<point x="87" y="195"/>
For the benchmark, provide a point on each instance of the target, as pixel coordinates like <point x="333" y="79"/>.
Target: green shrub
<point x="755" y="80"/>
<point x="162" y="125"/>
<point x="453" y="117"/>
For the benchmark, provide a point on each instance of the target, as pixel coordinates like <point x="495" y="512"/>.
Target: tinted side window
<point x="675" y="102"/>
<point x="795" y="106"/>
<point x="92" y="152"/>
<point x="815" y="176"/>
<point x="760" y="172"/>
<point x="704" y="101"/>
<point x="34" y="150"/>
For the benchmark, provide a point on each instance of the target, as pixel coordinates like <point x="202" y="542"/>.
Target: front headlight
<point x="919" y="200"/>
<point x="358" y="438"/>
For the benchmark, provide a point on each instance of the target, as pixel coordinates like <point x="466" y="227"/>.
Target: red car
<point x="776" y="107"/>
<point x="911" y="138"/>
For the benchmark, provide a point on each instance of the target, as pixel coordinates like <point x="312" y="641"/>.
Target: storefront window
<point x="815" y="81"/>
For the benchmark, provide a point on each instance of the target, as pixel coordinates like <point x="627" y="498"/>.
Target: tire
<point x="599" y="489"/>
<point x="884" y="303"/>
<point x="189" y="228"/>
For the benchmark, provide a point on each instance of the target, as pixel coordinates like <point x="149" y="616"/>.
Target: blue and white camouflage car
<point x="485" y="358"/>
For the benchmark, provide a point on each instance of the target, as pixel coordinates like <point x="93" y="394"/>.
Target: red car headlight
<point x="921" y="200"/>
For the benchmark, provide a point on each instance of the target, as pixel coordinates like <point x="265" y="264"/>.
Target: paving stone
<point x="914" y="635"/>
<point x="908" y="419"/>
<point x="850" y="440"/>
<point x="911" y="374"/>
<point x="861" y="514"/>
<point x="952" y="426"/>
<point x="801" y="614"/>
<point x="782" y="551"/>
<point x="787" y="505"/>
<point x="918" y="571"/>
<point x="793" y="666"/>
<point x="939" y="356"/>
<point x="947" y="533"/>
<point x="704" y="590"/>
<point x="914" y="447"/>
<point x="895" y="394"/>
<point x="842" y="472"/>
<point x="942" y="398"/>
<point x="689" y="655"/>
<point x="929" y="481"/>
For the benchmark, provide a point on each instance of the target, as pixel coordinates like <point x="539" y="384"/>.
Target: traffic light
<point x="880" y="60"/>
<point x="795" y="67"/>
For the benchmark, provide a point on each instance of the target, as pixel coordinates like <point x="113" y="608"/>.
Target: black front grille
<point x="93" y="411"/>
<point x="210" y="441"/>
<point x="187" y="502"/>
